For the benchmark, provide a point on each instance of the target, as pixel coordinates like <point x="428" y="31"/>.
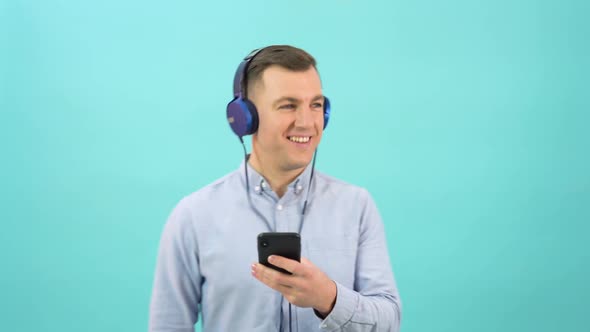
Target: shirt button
<point x="279" y="207"/>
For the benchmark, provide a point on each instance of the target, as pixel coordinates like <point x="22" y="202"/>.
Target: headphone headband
<point x="241" y="73"/>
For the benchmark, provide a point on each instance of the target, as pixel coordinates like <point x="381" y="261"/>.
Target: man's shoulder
<point x="202" y="205"/>
<point x="215" y="190"/>
<point x="328" y="183"/>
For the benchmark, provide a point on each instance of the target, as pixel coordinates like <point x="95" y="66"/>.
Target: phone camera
<point x="264" y="244"/>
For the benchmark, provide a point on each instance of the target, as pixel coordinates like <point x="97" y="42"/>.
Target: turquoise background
<point x="466" y="120"/>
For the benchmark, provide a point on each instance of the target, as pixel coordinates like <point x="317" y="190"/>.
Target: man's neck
<point x="277" y="179"/>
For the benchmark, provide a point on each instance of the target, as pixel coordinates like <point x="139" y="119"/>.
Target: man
<point x="208" y="253"/>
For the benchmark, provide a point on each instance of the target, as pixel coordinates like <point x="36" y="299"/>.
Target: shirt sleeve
<point x="374" y="303"/>
<point x="176" y="289"/>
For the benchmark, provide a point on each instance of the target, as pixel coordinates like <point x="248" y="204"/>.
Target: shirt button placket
<point x="280" y="218"/>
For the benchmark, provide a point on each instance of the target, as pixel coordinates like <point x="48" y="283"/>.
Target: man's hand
<point x="307" y="287"/>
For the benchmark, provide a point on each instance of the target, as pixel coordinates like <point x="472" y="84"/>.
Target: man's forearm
<point x="353" y="312"/>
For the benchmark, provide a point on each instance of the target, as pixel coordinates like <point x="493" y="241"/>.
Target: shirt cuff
<point x="344" y="308"/>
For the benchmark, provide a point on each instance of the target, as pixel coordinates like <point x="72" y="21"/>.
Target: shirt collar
<point x="258" y="184"/>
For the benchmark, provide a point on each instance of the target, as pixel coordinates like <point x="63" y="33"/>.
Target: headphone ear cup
<point x="254" y="116"/>
<point x="326" y="111"/>
<point x="242" y="117"/>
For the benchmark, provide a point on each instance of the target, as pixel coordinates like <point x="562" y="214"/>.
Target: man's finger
<point x="274" y="279"/>
<point x="284" y="263"/>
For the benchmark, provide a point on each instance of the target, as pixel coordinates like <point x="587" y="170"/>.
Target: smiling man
<point x="206" y="264"/>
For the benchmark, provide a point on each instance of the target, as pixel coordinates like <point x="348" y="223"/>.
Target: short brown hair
<point x="285" y="56"/>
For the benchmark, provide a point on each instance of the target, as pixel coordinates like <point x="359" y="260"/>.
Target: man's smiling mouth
<point x="299" y="139"/>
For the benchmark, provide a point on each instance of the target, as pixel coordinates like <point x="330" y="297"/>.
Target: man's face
<point x="291" y="117"/>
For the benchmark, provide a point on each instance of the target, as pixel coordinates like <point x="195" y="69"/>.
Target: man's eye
<point x="317" y="105"/>
<point x="287" y="106"/>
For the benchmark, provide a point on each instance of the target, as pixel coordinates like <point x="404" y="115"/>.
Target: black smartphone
<point x="287" y="245"/>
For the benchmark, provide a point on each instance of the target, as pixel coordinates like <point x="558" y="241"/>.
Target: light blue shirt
<point x="209" y="243"/>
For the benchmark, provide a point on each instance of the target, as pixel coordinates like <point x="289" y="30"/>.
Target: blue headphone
<point x="242" y="115"/>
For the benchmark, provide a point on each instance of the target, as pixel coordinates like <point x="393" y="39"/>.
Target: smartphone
<point x="287" y="245"/>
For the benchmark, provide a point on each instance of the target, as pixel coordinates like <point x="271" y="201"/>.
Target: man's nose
<point x="303" y="117"/>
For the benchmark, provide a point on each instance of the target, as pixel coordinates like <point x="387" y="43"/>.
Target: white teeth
<point x="299" y="139"/>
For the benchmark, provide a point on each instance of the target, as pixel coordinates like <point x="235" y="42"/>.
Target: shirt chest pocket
<point x="335" y="256"/>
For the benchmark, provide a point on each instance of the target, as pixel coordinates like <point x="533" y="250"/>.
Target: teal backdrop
<point x="466" y="120"/>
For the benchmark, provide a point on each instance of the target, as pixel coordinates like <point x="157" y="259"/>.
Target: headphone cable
<point x="262" y="217"/>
